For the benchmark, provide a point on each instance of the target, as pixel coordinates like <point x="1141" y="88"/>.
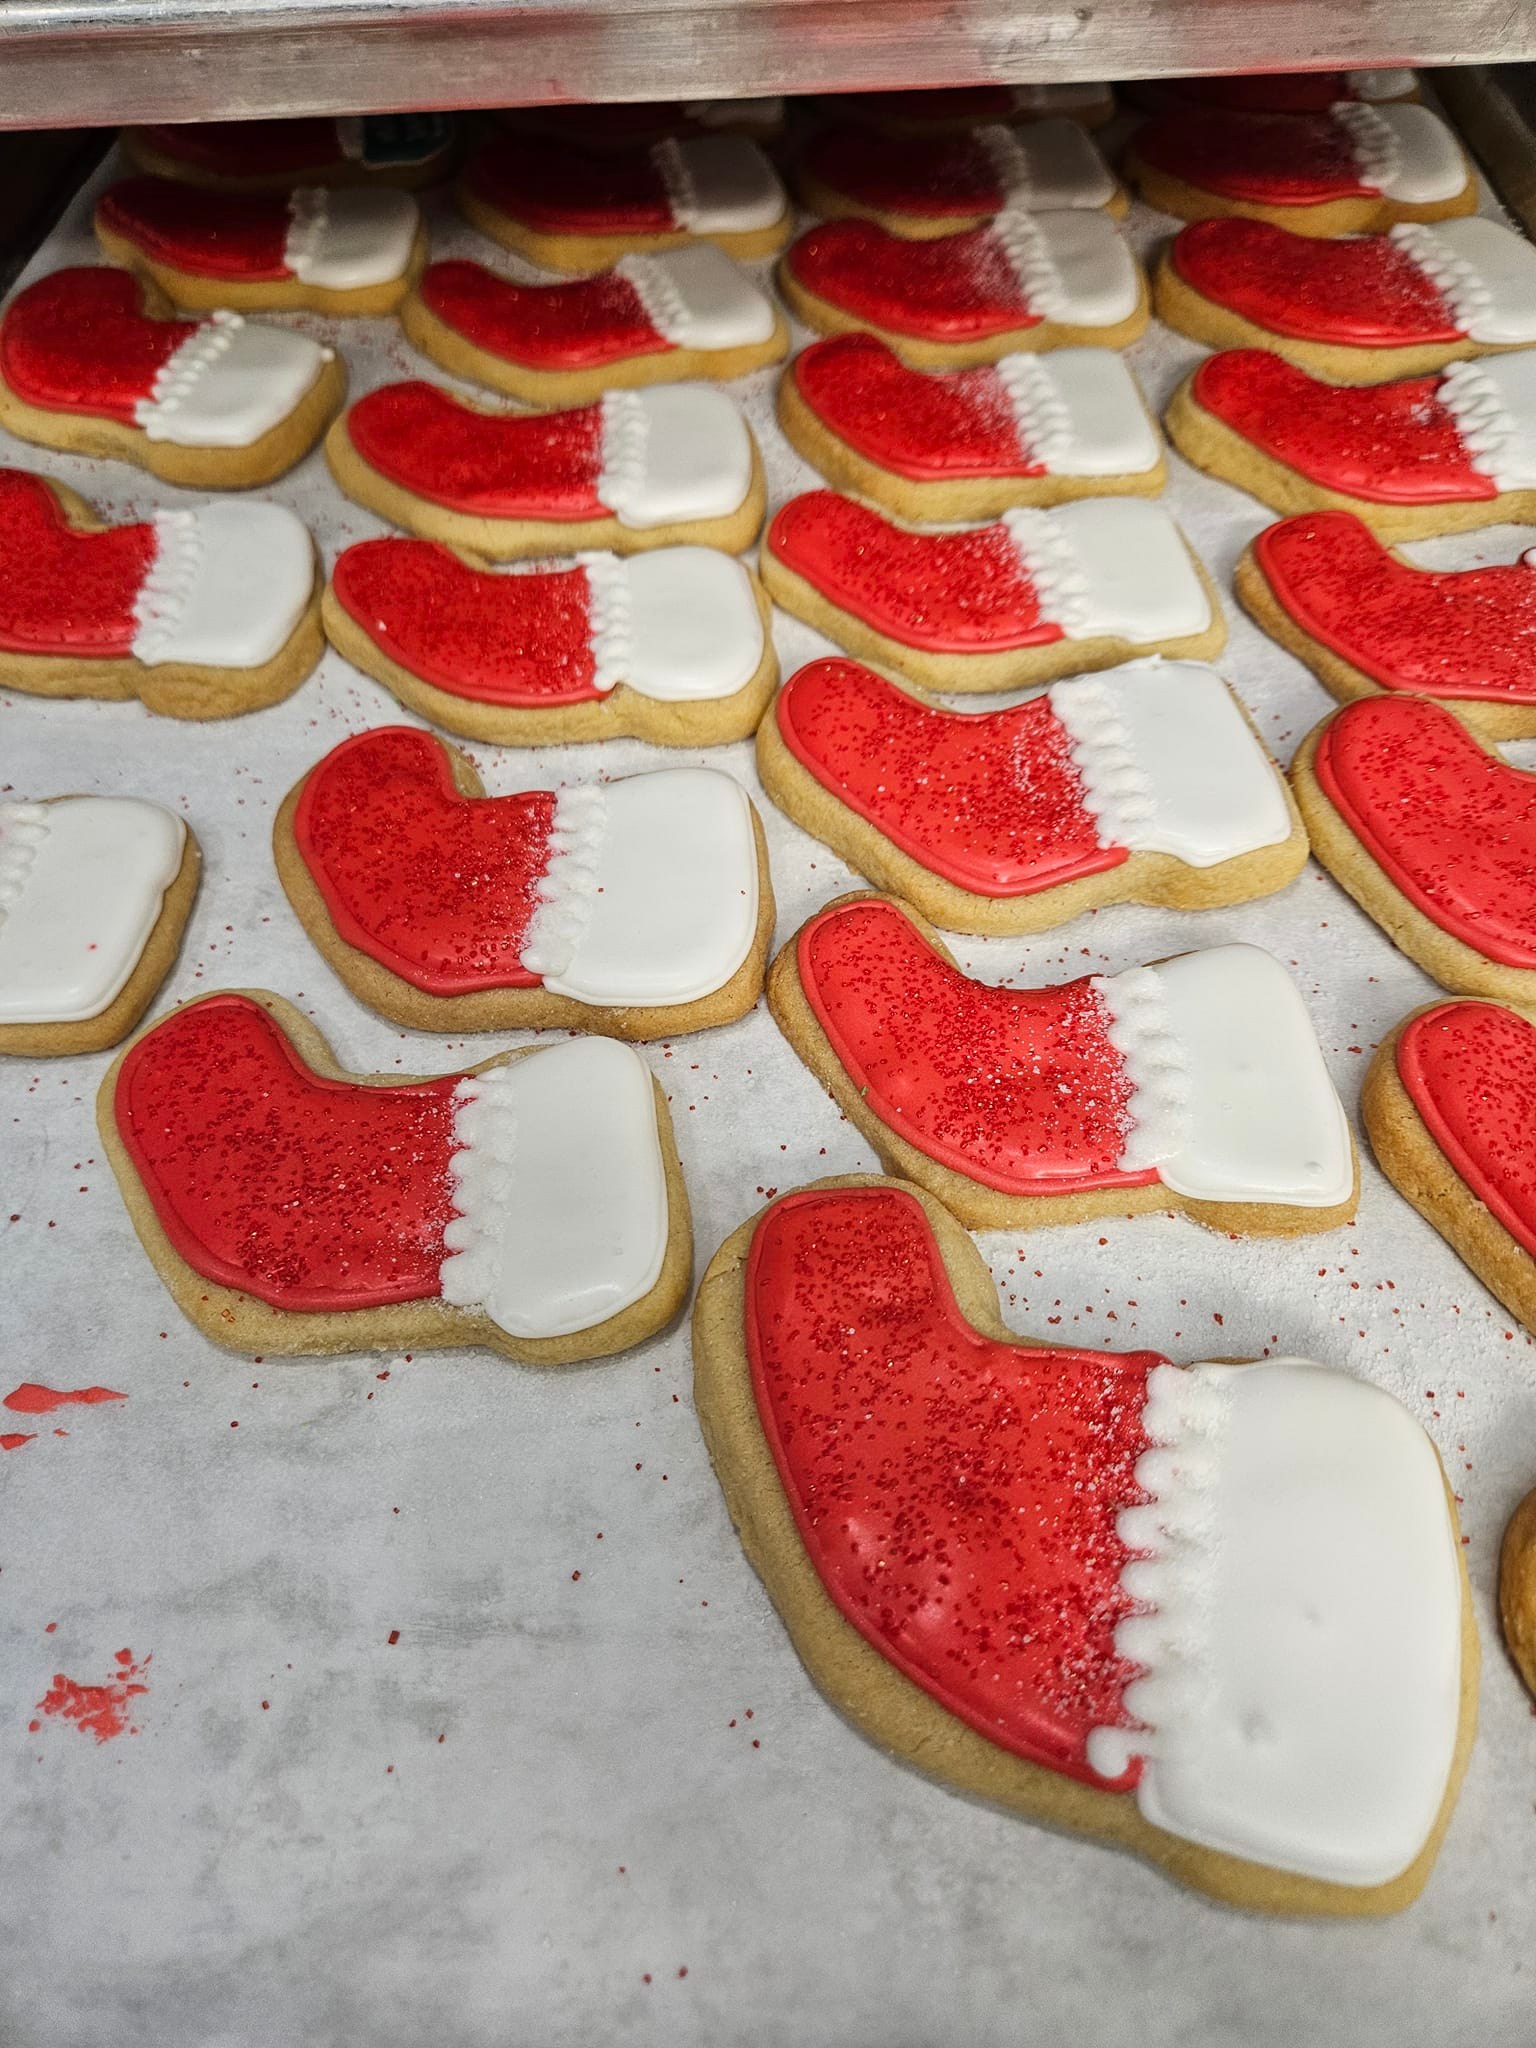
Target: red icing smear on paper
<point x="1393" y="444"/>
<point x="438" y="887"/>
<point x="1467" y="633"/>
<point x="76" y="341"/>
<point x="990" y="800"/>
<point x="1361" y="291"/>
<point x="956" y="1495"/>
<point x="611" y="191"/>
<point x="1470" y="1069"/>
<point x="575" y="326"/>
<point x="304" y="1191"/>
<point x="497" y="465"/>
<point x="249" y="149"/>
<point x="99" y="1710"/>
<point x="1266" y="159"/>
<point x="1019" y="1089"/>
<point x="211" y="234"/>
<point x="31" y="1398"/>
<point x="1452" y="825"/>
<point x="950" y="288"/>
<point x="1274" y="92"/>
<point x="63" y="592"/>
<point x="933" y="176"/>
<point x="956" y="593"/>
<point x="957" y="424"/>
<point x="519" y="639"/>
<point x="14" y="1439"/>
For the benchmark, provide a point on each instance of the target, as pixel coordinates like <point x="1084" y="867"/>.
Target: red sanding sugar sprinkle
<point x="99" y="1710"/>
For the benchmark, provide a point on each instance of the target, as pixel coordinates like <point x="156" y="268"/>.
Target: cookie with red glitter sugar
<point x="531" y="1205"/>
<point x="956" y="110"/>
<point x="407" y="150"/>
<point x="1216" y="1615"/>
<point x="941" y="183"/>
<point x="1367" y="621"/>
<point x="663" y="319"/>
<point x="639" y="908"/>
<point x="1434" y="835"/>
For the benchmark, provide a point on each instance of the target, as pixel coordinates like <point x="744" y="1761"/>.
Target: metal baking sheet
<point x="464" y="1720"/>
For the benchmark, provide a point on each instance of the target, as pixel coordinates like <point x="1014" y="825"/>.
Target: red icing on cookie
<point x="608" y="192"/>
<point x="239" y="235"/>
<point x="1393" y="444"/>
<point x="496" y="465"/>
<point x="438" y="887"/>
<point x="1451" y="824"/>
<point x="955" y="593"/>
<point x="956" y="1495"/>
<point x="1019" y="1089"/>
<point x="932" y="176"/>
<point x="1470" y="1069"/>
<point x="1265" y="159"/>
<point x="248" y="149"/>
<point x="956" y="425"/>
<point x="306" y="1192"/>
<point x="63" y="592"/>
<point x="521" y="639"/>
<point x="76" y="341"/>
<point x="953" y="288"/>
<point x="573" y="326"/>
<point x="942" y="106"/>
<point x="1468" y="633"/>
<point x="1361" y="291"/>
<point x="989" y="800"/>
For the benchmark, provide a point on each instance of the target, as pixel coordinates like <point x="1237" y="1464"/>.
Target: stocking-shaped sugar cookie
<point x="937" y="184"/>
<point x="262" y="156"/>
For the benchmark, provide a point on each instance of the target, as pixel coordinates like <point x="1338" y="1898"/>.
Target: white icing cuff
<point x="767" y="112"/>
<point x="230" y="383"/>
<point x="1169" y="764"/>
<point x="719" y="184"/>
<point x="1493" y="402"/>
<point x="1232" y="1099"/>
<point x="1057" y="99"/>
<point x="1485" y="272"/>
<point x="652" y="896"/>
<point x="560" y="1187"/>
<point x="82" y="881"/>
<point x="1404" y="152"/>
<point x="680" y="625"/>
<point x="346" y="239"/>
<point x="678" y="452"/>
<point x="1116" y="566"/>
<point x="1380" y="85"/>
<point x="698" y="298"/>
<point x="1301" y="1632"/>
<point x="229" y="582"/>
<point x="1050" y="163"/>
<point x="1078" y="412"/>
<point x="1072" y="267"/>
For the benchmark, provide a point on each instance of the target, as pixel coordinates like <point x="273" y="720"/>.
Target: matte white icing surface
<point x="1112" y="566"/>
<point x="1380" y="85"/>
<point x="679" y="452"/>
<point x="355" y="236"/>
<point x="1073" y="266"/>
<point x="697" y="297"/>
<point x="230" y="383"/>
<point x="1046" y="164"/>
<point x="560" y="1187"/>
<point x="229" y="582"/>
<point x="1056" y="99"/>
<point x="1406" y="152"/>
<point x="81" y="885"/>
<point x="1493" y="401"/>
<point x="679" y="625"/>
<point x="1303" y="1645"/>
<point x="1078" y="411"/>
<point x="719" y="184"/>
<point x="1485" y="271"/>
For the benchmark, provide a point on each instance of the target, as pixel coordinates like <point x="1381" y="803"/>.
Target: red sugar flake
<point x="393" y="1637"/>
<point x="99" y="1710"/>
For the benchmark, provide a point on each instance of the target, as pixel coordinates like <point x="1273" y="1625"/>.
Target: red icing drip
<point x="495" y="465"/>
<point x="1392" y="444"/>
<point x="956" y="1495"/>
<point x="1275" y="92"/>
<point x="1452" y="825"/>
<point x="436" y="886"/>
<point x="13" y="1439"/>
<point x="32" y="1399"/>
<point x="1470" y="1069"/>
<point x="63" y="592"/>
<point x="952" y="288"/>
<point x="211" y="234"/>
<point x="1019" y="1089"/>
<point x="1266" y="159"/>
<point x="76" y="341"/>
<point x="100" y="1710"/>
<point x="522" y="639"/>
<point x="306" y="1192"/>
<point x="956" y="593"/>
<point x="612" y="191"/>
<point x="934" y="176"/>
<point x="1362" y="291"/>
<point x="989" y="800"/>
<point x="1468" y="633"/>
<point x="248" y="149"/>
<point x="956" y="425"/>
<point x="575" y="326"/>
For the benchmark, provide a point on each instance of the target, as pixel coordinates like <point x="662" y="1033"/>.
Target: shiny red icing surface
<point x="1470" y="1069"/>
<point x="514" y="639"/>
<point x="1467" y="633"/>
<point x="956" y="1495"/>
<point x="934" y="176"/>
<point x="1267" y="159"/>
<point x="438" y="887"/>
<point x="1450" y="823"/>
<point x="1019" y="1089"/>
<point x="990" y="800"/>
<point x="951" y="288"/>
<point x="496" y="465"/>
<point x="548" y="326"/>
<point x="956" y="593"/>
<point x="248" y="148"/>
<point x="1360" y="291"/>
<point x="63" y="592"/>
<point x="956" y="424"/>
<point x="1392" y="444"/>
<point x="612" y="191"/>
<point x="306" y="1192"/>
<point x="211" y="234"/>
<point x="76" y="341"/>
